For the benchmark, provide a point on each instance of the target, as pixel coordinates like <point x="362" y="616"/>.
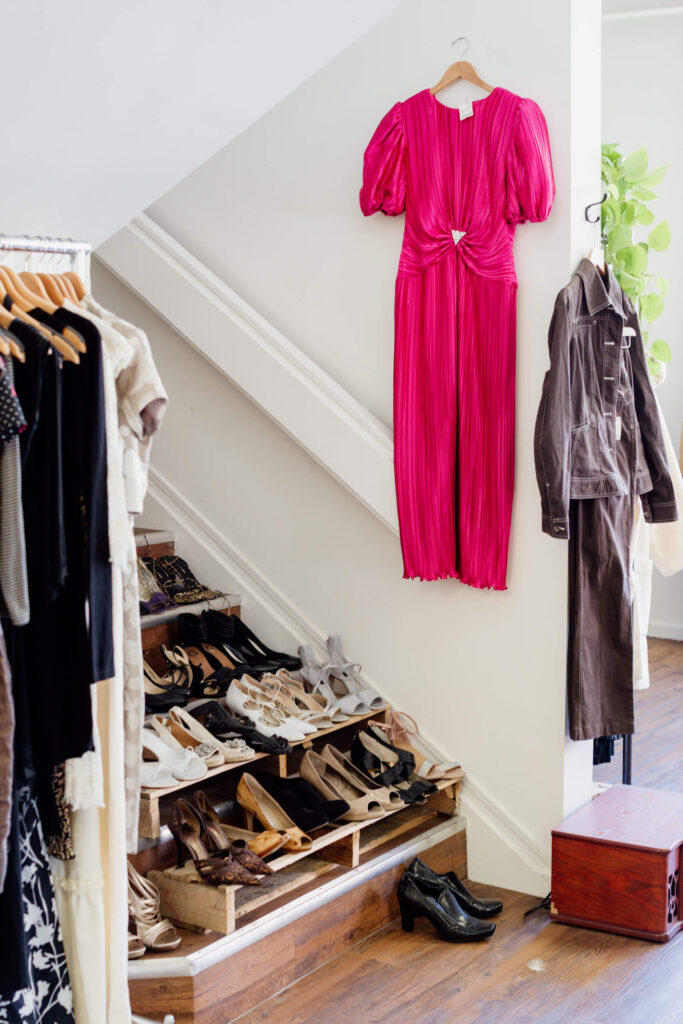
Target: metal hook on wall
<point x="465" y="44"/>
<point x="595" y="220"/>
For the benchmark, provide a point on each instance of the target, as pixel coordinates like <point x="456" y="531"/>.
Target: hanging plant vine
<point x="625" y="213"/>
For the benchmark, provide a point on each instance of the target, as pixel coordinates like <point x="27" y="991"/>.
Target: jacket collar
<point x="600" y="293"/>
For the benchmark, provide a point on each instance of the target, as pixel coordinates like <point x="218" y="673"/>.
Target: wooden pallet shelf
<point x="189" y="901"/>
<point x="153" y="800"/>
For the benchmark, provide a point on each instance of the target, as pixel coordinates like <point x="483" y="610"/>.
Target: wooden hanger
<point x="69" y="288"/>
<point x="5" y="318"/>
<point x="33" y="282"/>
<point x="461" y="69"/>
<point x="60" y="343"/>
<point x="78" y="285"/>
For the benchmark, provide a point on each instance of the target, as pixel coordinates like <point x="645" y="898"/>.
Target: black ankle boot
<point x="435" y="901"/>
<point x="470" y="903"/>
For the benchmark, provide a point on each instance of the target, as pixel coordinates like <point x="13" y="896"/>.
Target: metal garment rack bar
<point x="27" y="243"/>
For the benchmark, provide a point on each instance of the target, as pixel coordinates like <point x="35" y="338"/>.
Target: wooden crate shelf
<point x="152" y="800"/>
<point x="188" y="901"/>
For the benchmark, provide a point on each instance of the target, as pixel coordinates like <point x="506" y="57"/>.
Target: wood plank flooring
<point x="658" y="741"/>
<point x="531" y="971"/>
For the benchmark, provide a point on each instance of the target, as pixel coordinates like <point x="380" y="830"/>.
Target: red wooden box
<point x="617" y="864"/>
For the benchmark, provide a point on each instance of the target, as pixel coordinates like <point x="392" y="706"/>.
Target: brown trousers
<point x="600" y="643"/>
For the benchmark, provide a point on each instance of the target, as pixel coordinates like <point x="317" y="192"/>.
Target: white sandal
<point x="185" y="766"/>
<point x="232" y="750"/>
<point x="306" y="701"/>
<point x="156" y="776"/>
<point x="317" y="676"/>
<point x="246" y="699"/>
<point x="179" y="741"/>
<point x="349" y="673"/>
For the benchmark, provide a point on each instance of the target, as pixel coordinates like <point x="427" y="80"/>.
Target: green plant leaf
<point x="635" y="259"/>
<point x="611" y="174"/>
<point x="661" y="351"/>
<point x="663" y="286"/>
<point x="620" y="237"/>
<point x="652" y="306"/>
<point x="654" y="366"/>
<point x="638" y="192"/>
<point x="660" y="237"/>
<point x="613" y="191"/>
<point x="634" y="166"/>
<point x="653" y="177"/>
<point x="645" y="216"/>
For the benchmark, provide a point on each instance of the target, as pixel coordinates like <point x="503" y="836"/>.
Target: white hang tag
<point x="457" y="235"/>
<point x="466" y="110"/>
<point x="628" y="332"/>
<point x="617" y="428"/>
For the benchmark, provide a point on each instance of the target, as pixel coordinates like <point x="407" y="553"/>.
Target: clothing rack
<point x="26" y="243"/>
<point x="41" y="254"/>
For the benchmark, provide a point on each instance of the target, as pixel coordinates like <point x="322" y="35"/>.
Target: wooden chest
<point x="616" y="864"/>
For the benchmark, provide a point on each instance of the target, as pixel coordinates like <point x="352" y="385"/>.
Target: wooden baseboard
<point x="230" y="988"/>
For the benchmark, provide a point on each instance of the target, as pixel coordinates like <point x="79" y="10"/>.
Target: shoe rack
<point x="315" y="904"/>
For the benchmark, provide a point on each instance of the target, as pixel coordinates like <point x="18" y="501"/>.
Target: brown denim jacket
<point x="576" y="424"/>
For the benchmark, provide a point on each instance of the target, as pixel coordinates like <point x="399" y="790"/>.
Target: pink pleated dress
<point x="464" y="182"/>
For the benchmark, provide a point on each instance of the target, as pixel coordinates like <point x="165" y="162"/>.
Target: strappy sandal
<point x="254" y="799"/>
<point x="214" y="717"/>
<point x="245" y="698"/>
<point x="432" y="772"/>
<point x="319" y="679"/>
<point x="310" y="702"/>
<point x="136" y="947"/>
<point x="333" y="785"/>
<point x="186" y="829"/>
<point x="348" y="672"/>
<point x="163" y="692"/>
<point x="145" y="922"/>
<point x="395" y="734"/>
<point x="207" y="680"/>
<point x="383" y="765"/>
<point x="219" y="844"/>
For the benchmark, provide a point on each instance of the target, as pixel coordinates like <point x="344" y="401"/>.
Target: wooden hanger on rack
<point x="19" y="311"/>
<point x="5" y="319"/>
<point x="25" y="299"/>
<point x="461" y="69"/>
<point x="78" y="286"/>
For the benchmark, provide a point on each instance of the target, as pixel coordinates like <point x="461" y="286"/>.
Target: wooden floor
<point x="658" y="741"/>
<point x="531" y="970"/>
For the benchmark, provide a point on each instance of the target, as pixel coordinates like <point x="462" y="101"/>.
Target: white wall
<point x="275" y="215"/>
<point x="642" y="85"/>
<point x="109" y="105"/>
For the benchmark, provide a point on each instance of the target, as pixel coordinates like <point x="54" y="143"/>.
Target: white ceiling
<point x="611" y="7"/>
<point x="110" y="104"/>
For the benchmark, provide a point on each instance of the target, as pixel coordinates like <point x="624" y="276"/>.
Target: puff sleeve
<point x="530" y="181"/>
<point x="384" y="183"/>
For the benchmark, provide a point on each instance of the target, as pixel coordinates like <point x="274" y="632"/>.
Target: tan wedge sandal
<point x="254" y="799"/>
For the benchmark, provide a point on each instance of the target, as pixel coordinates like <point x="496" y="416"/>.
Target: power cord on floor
<point x="543" y="905"/>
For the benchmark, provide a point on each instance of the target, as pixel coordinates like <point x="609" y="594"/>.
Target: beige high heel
<point x="254" y="799"/>
<point x="146" y="924"/>
<point x="388" y="797"/>
<point x="332" y="784"/>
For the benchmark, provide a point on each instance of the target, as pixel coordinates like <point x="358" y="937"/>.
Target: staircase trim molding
<point x="287" y="385"/>
<point x="476" y="798"/>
